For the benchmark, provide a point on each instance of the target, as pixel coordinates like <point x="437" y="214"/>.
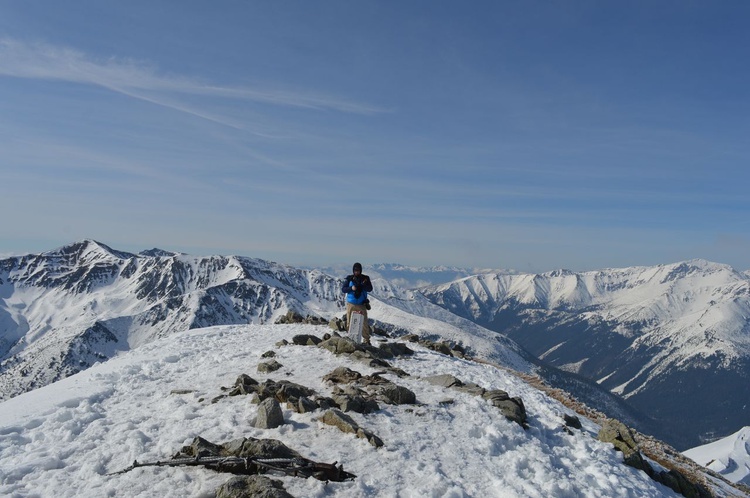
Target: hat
<point x="357" y="266"/>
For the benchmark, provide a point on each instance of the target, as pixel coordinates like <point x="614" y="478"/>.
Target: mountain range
<point x="67" y="309"/>
<point x="673" y="340"/>
<point x="603" y="336"/>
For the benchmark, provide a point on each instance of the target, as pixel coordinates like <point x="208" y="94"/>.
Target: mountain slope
<point x="674" y="340"/>
<point x="729" y="456"/>
<point x="451" y="444"/>
<point x="64" y="310"/>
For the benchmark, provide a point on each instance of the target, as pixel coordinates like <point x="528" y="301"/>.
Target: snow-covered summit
<point x="146" y="404"/>
<point x="729" y="456"/>
<point x="646" y="333"/>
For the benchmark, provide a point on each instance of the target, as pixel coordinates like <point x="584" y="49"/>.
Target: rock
<point x="351" y="399"/>
<point x="268" y="354"/>
<point x="337" y="324"/>
<point x="270" y="415"/>
<point x="512" y="408"/>
<point x="339" y="345"/>
<point x="471" y="388"/>
<point x="200" y="448"/>
<point x="340" y="420"/>
<point x="252" y="487"/>
<point x="440" y="347"/>
<point x="260" y="448"/>
<point x="283" y="391"/>
<point x="306" y="340"/>
<point x="243" y="448"/>
<point x="396" y="349"/>
<point x="615" y="432"/>
<point x="305" y="405"/>
<point x="269" y="366"/>
<point x="244" y="385"/>
<point x="444" y="380"/>
<point x="342" y="375"/>
<point x="347" y="424"/>
<point x="396" y="395"/>
<point x="572" y="421"/>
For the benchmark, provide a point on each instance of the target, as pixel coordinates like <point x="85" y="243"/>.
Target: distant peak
<point x="158" y="253"/>
<point x="86" y="246"/>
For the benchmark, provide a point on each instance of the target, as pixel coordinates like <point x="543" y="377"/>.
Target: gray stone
<point x="306" y="340"/>
<point x="572" y="421"/>
<point x="270" y="415"/>
<point x="252" y="487"/>
<point x="396" y="395"/>
<point x="343" y="375"/>
<point x="306" y="405"/>
<point x="347" y="424"/>
<point x="615" y="432"/>
<point x="396" y="349"/>
<point x="269" y="366"/>
<point x="444" y="380"/>
<point x="512" y="408"/>
<point x="339" y="345"/>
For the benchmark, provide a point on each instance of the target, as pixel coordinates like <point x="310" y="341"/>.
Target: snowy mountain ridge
<point x="149" y="402"/>
<point x="65" y="313"/>
<point x="729" y="456"/>
<point x="64" y="310"/>
<point x="645" y="333"/>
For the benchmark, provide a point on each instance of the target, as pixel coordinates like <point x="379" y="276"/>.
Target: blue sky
<point x="505" y="134"/>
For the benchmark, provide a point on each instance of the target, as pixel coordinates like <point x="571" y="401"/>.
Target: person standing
<point x="356" y="287"/>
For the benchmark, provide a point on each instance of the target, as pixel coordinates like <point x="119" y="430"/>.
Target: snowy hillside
<point x="64" y="310"/>
<point x="729" y="456"/>
<point x="663" y="337"/>
<point x="146" y="404"/>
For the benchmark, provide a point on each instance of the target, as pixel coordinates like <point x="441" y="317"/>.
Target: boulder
<point x="572" y="421"/>
<point x="512" y="408"/>
<point x="347" y="424"/>
<point x="306" y="340"/>
<point x="342" y="375"/>
<point x="270" y="415"/>
<point x="269" y="366"/>
<point x="444" y="380"/>
<point x="252" y="487"/>
<point x="396" y="395"/>
<point x="615" y="432"/>
<point x="339" y="345"/>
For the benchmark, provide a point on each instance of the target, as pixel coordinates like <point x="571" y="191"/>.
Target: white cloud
<point x="133" y="78"/>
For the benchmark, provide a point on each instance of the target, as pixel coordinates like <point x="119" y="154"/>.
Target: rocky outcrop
<point x="346" y="424"/>
<point x="624" y="440"/>
<point x="252" y="487"/>
<point x="269" y="415"/>
<point x="512" y="408"/>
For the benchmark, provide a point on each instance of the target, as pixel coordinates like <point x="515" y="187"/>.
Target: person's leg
<point x="365" y="327"/>
<point x="349" y="309"/>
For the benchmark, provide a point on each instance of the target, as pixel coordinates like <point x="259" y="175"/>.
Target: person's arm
<point x="347" y="288"/>
<point x="366" y="283"/>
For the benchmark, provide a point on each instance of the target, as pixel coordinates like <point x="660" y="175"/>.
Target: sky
<point x="530" y="135"/>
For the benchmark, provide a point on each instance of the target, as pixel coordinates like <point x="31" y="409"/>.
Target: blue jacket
<point x="363" y="284"/>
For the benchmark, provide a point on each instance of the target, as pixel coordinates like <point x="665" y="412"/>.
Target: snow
<point x="62" y="439"/>
<point x="729" y="456"/>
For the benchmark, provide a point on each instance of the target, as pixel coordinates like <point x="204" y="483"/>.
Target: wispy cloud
<point x="144" y="81"/>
